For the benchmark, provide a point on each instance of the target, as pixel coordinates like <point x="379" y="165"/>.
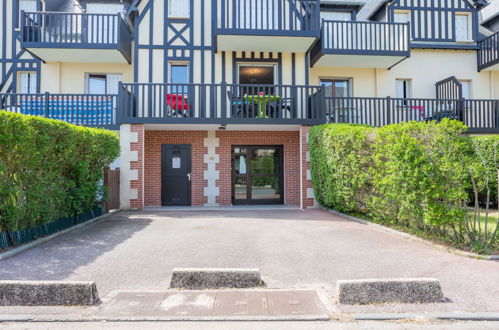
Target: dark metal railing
<point x="488" y="53"/>
<point x="370" y="38"/>
<point x="76" y="30"/>
<point x="221" y="103"/>
<point x="79" y="109"/>
<point x="478" y="115"/>
<point x="290" y="17"/>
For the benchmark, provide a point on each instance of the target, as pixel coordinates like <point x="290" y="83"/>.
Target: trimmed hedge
<point x="416" y="175"/>
<point x="49" y="169"/>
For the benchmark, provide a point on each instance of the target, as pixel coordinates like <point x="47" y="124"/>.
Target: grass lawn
<point x="492" y="221"/>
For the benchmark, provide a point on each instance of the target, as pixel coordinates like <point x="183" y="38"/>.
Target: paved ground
<point x="292" y="248"/>
<point x="255" y="325"/>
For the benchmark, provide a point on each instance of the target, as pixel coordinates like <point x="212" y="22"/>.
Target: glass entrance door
<point x="257" y="175"/>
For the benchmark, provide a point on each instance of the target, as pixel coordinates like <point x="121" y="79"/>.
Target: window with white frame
<point x="179" y="76"/>
<point x="179" y="8"/>
<point x="26" y="82"/>
<point x="403" y="88"/>
<point x="335" y="15"/>
<point x="463" y="24"/>
<point x="401" y="16"/>
<point x="27" y="6"/>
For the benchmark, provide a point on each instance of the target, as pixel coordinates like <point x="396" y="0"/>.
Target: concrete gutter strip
<point x="215" y="278"/>
<point x="19" y="249"/>
<point x="413" y="237"/>
<point x="48" y="293"/>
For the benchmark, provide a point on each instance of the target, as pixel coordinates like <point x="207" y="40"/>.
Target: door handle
<point x="189" y="176"/>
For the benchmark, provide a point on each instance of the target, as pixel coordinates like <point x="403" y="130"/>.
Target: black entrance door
<point x="176" y="175"/>
<point x="257" y="175"/>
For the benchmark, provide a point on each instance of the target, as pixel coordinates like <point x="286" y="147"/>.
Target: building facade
<point x="213" y="99"/>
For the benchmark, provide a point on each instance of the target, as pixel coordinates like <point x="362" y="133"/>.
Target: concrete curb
<point x="215" y="278"/>
<point x="48" y="293"/>
<point x="436" y="316"/>
<point x="389" y="290"/>
<point x="20" y="249"/>
<point x="414" y="238"/>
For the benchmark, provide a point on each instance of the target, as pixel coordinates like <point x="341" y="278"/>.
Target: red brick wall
<point x="138" y="165"/>
<point x="152" y="180"/>
<point x="306" y="202"/>
<point x="291" y="143"/>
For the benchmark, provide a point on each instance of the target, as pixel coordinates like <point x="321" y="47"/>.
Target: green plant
<point x="49" y="169"/>
<point x="339" y="159"/>
<point x="413" y="175"/>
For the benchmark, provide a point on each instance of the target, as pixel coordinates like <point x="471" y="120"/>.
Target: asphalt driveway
<point x="292" y="248"/>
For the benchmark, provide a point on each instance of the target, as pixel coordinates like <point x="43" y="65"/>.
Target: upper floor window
<point x="27" y="6"/>
<point x="26" y="82"/>
<point x="179" y="9"/>
<point x="336" y="15"/>
<point x="104" y="8"/>
<point x="463" y="24"/>
<point x="401" y="16"/>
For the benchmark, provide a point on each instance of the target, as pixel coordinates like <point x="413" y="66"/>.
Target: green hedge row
<point x="49" y="169"/>
<point x="418" y="175"/>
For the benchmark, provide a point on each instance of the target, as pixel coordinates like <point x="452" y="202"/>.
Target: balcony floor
<point x="267" y="43"/>
<point x="87" y="55"/>
<point x="357" y="61"/>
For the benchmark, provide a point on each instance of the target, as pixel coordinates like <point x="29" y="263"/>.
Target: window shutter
<point x="112" y="82"/>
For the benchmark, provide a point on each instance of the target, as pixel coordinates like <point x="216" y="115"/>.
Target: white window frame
<point x="31" y="90"/>
<point x="173" y="14"/>
<point x="19" y="10"/>
<point x="350" y="13"/>
<point x="408" y="87"/>
<point x="470" y="29"/>
<point x="178" y="63"/>
<point x="349" y="80"/>
<point x="250" y="64"/>
<point x="406" y="12"/>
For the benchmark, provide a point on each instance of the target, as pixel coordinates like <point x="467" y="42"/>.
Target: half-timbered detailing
<point x="265" y="25"/>
<point x="488" y="54"/>
<point x="76" y="37"/>
<point x="434" y="21"/>
<point x="14" y="60"/>
<point x="361" y="44"/>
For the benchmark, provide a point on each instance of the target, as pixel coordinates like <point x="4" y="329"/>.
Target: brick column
<point x="307" y="192"/>
<point x="132" y="166"/>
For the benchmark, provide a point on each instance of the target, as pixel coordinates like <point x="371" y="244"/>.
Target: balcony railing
<point x="221" y="104"/>
<point x="481" y="116"/>
<point x="76" y="31"/>
<point x="362" y="38"/>
<point x="79" y="109"/>
<point x="488" y="53"/>
<point x="267" y="17"/>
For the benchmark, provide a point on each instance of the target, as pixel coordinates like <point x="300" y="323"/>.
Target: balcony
<point x="266" y="25"/>
<point x="79" y="109"/>
<point x="76" y="37"/>
<point x="488" y="53"/>
<point x="481" y="116"/>
<point x="221" y="104"/>
<point x="361" y="44"/>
